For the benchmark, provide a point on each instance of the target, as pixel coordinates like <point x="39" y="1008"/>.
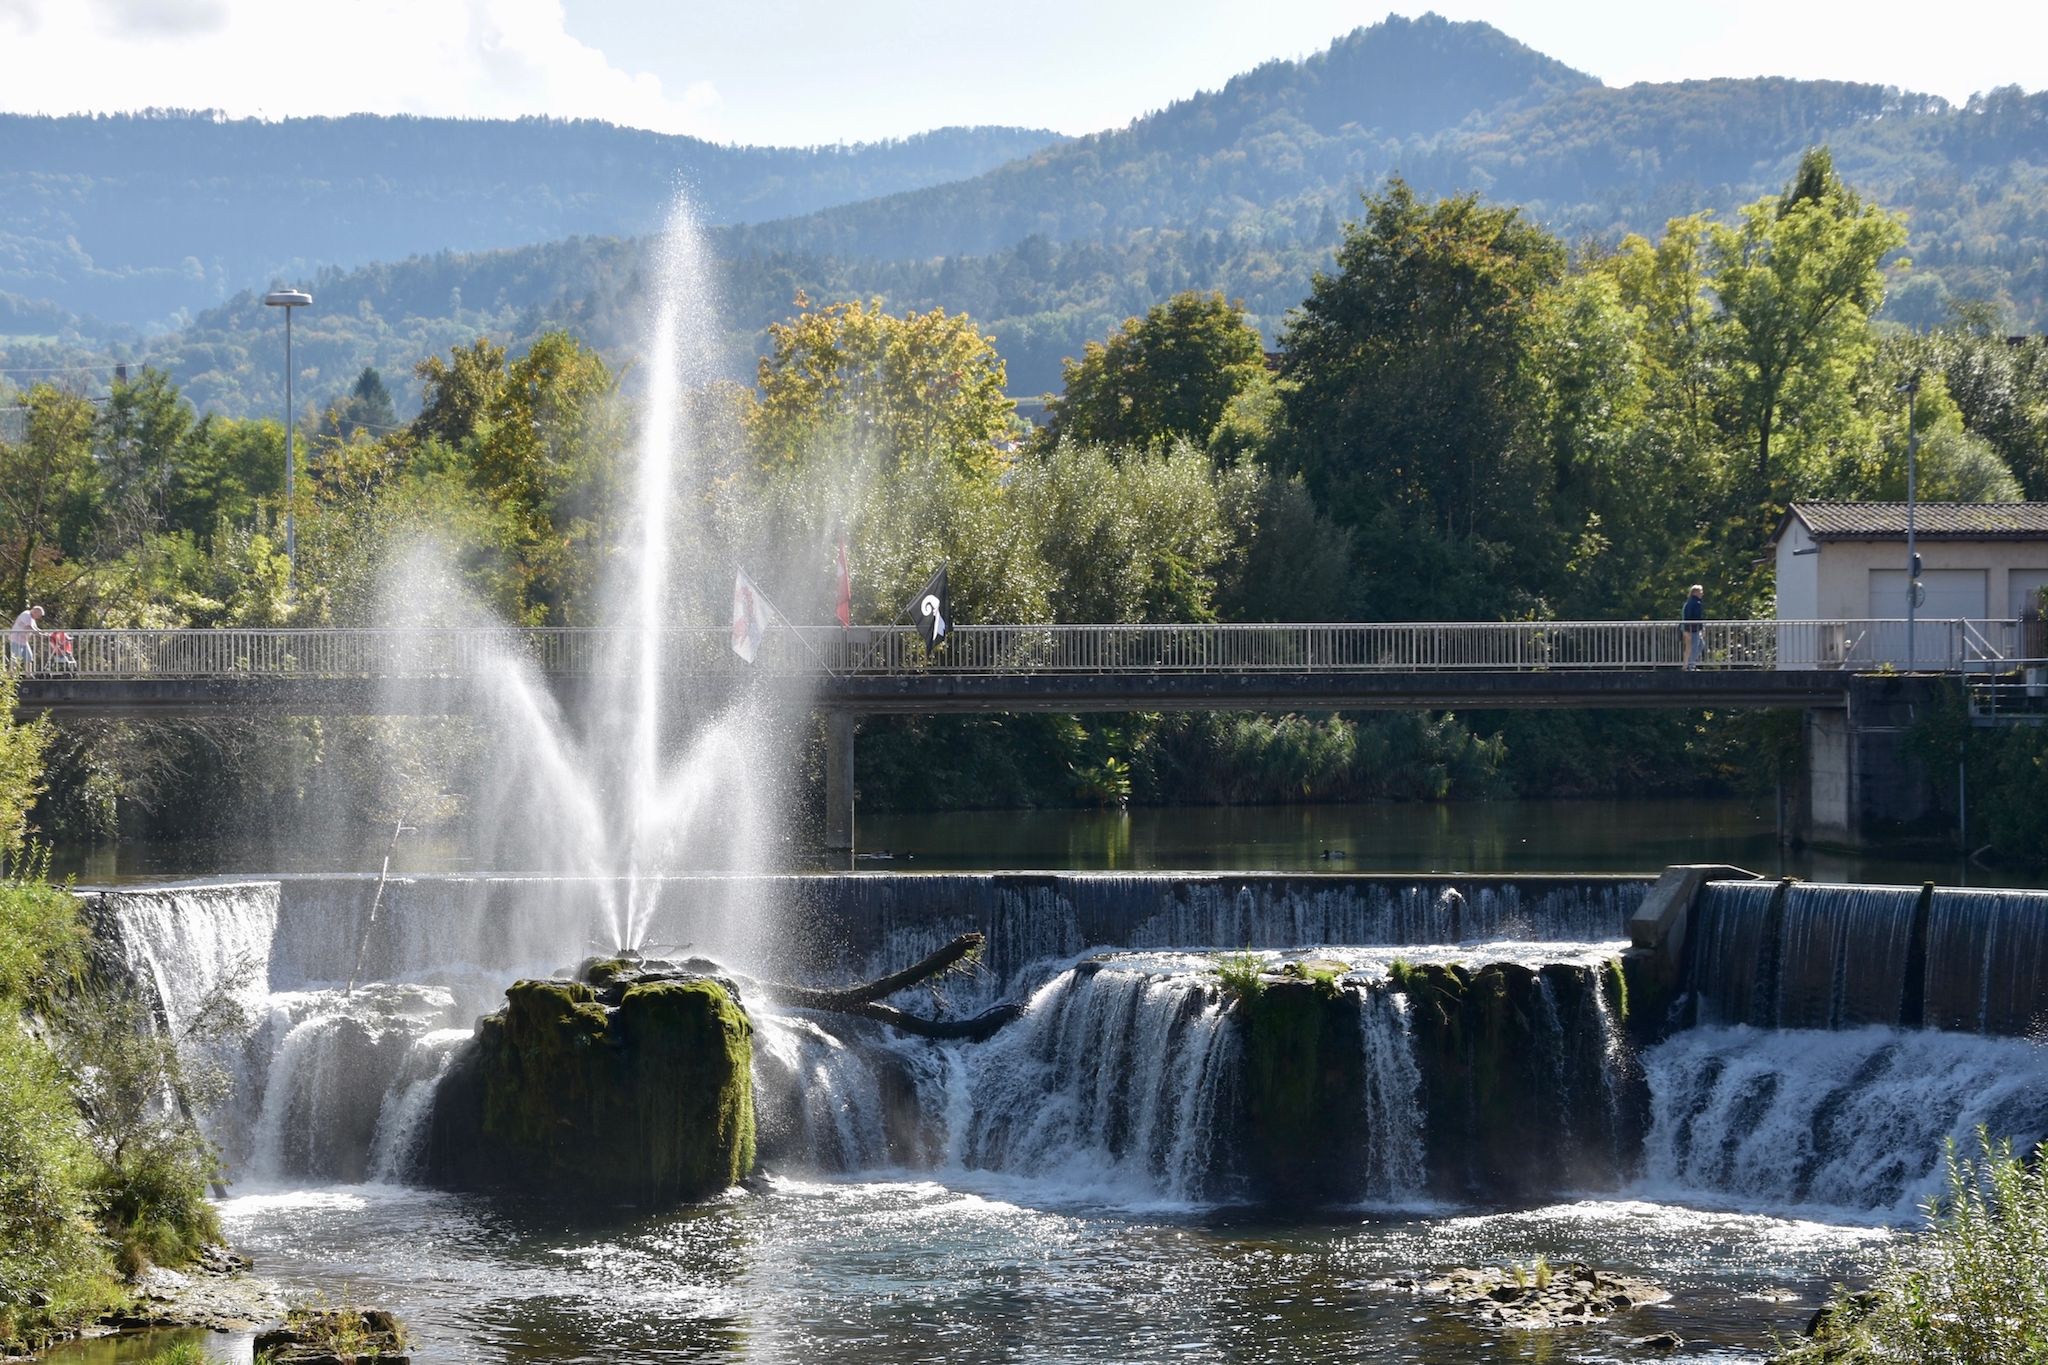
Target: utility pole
<point x="289" y="299"/>
<point x="1911" y="388"/>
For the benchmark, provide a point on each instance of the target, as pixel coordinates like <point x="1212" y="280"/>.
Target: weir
<point x="1468" y="1039"/>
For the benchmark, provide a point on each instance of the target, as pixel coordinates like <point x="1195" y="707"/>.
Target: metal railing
<point x="1952" y="646"/>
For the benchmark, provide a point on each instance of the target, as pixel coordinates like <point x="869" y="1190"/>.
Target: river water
<point x="1058" y="1195"/>
<point x="1467" y="836"/>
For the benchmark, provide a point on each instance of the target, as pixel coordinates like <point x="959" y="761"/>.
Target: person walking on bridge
<point x="1695" y="615"/>
<point x="22" y="636"/>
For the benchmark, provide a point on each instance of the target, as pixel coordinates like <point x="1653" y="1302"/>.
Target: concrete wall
<point x="1837" y="586"/>
<point x="1863" y="788"/>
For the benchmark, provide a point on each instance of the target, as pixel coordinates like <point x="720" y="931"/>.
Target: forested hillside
<point x="1242" y="190"/>
<point x="134" y="217"/>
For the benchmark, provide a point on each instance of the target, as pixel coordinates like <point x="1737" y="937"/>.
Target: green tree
<point x="143" y="433"/>
<point x="1797" y="279"/>
<point x="367" y="408"/>
<point x="548" y="450"/>
<point x="21" y="770"/>
<point x="458" y="392"/>
<point x="48" y="484"/>
<point x="847" y="378"/>
<point x="1166" y="376"/>
<point x="1411" y="393"/>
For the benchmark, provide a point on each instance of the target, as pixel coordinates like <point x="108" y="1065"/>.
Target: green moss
<point x="1304" y="1093"/>
<point x="650" y="1104"/>
<point x="1615" y="981"/>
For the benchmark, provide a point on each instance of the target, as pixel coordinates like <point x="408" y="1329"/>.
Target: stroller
<point x="62" y="660"/>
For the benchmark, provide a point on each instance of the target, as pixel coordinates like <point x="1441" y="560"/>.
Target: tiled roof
<point x="1931" y="520"/>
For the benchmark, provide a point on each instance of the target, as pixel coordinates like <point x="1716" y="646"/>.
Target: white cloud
<point x="463" y="58"/>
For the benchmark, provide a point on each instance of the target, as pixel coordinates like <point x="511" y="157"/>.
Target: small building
<point x="1843" y="566"/>
<point x="1846" y="561"/>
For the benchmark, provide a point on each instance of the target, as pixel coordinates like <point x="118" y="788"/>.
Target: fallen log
<point x="862" y="1000"/>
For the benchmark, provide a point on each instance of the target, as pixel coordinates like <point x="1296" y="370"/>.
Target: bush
<point x="1972" y="1286"/>
<point x="54" y="1269"/>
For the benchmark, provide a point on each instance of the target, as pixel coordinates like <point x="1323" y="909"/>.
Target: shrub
<point x="1971" y="1286"/>
<point x="54" y="1271"/>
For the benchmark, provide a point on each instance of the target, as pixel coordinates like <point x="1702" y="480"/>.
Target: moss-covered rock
<point x="1304" y="1095"/>
<point x="646" y="1101"/>
<point x="1527" y="1086"/>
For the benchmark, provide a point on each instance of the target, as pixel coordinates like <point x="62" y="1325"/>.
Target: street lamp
<point x="1911" y="388"/>
<point x="289" y="299"/>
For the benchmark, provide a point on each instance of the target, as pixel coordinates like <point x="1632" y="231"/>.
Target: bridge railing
<point x="425" y="652"/>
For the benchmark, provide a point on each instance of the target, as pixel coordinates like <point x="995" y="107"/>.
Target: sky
<point x="820" y="71"/>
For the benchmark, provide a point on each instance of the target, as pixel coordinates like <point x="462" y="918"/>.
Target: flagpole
<point x="793" y="630"/>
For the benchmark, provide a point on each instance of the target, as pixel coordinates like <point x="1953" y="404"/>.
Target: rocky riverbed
<point x="217" y="1292"/>
<point x="1536" y="1298"/>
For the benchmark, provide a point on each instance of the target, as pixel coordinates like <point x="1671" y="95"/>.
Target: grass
<point x="184" y="1353"/>
<point x="1241" y="973"/>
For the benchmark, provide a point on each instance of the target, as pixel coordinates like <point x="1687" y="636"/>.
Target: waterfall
<point x="341" y="1067"/>
<point x="1789" y="955"/>
<point x="1846" y="1119"/>
<point x="1395" y="1129"/>
<point x="178" y="943"/>
<point x="1118" y="1078"/>
<point x="1987" y="962"/>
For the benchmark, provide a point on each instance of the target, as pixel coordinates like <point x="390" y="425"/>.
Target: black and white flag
<point x="934" y="609"/>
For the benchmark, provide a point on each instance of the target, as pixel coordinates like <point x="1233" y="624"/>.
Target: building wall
<point x="1842" y="571"/>
<point x="1798" y="575"/>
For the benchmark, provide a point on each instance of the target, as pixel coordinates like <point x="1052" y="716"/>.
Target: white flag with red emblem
<point x="749" y="617"/>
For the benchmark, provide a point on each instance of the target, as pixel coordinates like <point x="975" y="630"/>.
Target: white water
<point x="1832" y="1120"/>
<point x="1116" y="1085"/>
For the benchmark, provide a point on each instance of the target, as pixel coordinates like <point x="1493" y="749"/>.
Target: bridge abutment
<point x="1864" y="789"/>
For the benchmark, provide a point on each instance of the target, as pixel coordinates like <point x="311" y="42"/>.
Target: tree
<point x="142" y="433"/>
<point x="1410" y="393"/>
<point x="47" y="486"/>
<point x="546" y="448"/>
<point x="455" y="396"/>
<point x="1797" y="280"/>
<point x="851" y="378"/>
<point x="368" y="407"/>
<point x="1166" y="376"/>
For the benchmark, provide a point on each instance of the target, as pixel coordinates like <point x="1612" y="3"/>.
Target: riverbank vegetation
<point x="1468" y="418"/>
<point x="103" y="1171"/>
<point x="1972" y="1285"/>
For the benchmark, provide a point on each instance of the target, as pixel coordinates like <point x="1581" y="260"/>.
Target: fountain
<point x="1449" y="1062"/>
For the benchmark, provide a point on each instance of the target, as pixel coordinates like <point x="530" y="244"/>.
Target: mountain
<point x="1242" y="190"/>
<point x="135" y="217"/>
<point x="1326" y="125"/>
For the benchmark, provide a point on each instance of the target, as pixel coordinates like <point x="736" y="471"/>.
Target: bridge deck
<point x="1463" y="665"/>
<point x="933" y="693"/>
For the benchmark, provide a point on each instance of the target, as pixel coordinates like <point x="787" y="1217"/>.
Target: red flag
<point x="844" y="611"/>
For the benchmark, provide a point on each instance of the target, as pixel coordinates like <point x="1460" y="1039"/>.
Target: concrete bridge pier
<point x="1863" y="788"/>
<point x="839" y="726"/>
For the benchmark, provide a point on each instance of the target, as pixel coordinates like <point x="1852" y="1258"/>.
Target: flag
<point x="934" y="609"/>
<point x="844" y="611"/>
<point x="749" y="617"/>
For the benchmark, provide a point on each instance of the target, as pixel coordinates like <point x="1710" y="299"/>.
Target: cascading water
<point x="1850" y="1119"/>
<point x="1790" y="955"/>
<point x="1122" y="1079"/>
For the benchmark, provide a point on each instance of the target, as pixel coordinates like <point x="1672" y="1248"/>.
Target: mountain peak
<point x="1407" y="77"/>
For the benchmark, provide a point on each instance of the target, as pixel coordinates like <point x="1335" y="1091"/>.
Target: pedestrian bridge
<point x="867" y="670"/>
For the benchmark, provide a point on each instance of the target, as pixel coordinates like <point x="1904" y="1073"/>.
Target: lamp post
<point x="1911" y="388"/>
<point x="289" y="299"/>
